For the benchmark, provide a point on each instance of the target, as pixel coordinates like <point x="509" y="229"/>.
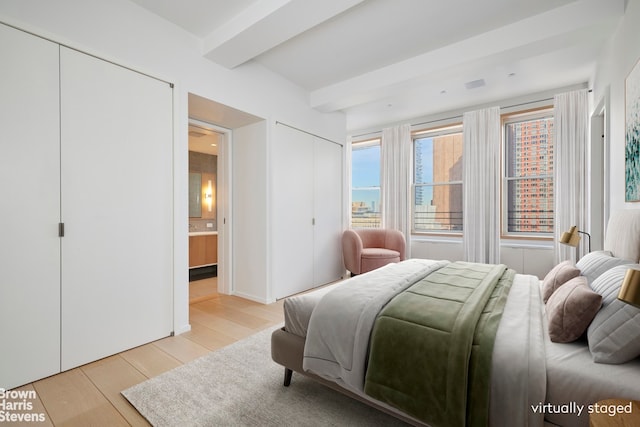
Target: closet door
<point x="292" y="211"/>
<point x="307" y="211"/>
<point x="327" y="237"/>
<point x="29" y="208"/>
<point x="117" y="192"/>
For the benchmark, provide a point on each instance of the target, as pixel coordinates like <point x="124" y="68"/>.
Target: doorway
<point x="223" y="120"/>
<point x="207" y="210"/>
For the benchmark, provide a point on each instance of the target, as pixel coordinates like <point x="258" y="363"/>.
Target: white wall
<point x="122" y="32"/>
<point x="450" y="250"/>
<point x="528" y="258"/>
<point x="250" y="219"/>
<point x="613" y="67"/>
<point x="524" y="258"/>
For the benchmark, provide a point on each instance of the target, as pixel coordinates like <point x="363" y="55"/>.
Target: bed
<point x="382" y="338"/>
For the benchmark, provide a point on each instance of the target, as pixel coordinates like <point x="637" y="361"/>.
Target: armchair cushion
<point x="380" y="253"/>
<point x="373" y="258"/>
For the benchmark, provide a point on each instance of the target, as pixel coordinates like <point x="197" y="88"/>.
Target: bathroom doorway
<point x="207" y="193"/>
<point x="224" y="120"/>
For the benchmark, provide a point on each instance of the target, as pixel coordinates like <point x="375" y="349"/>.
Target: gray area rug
<point x="239" y="385"/>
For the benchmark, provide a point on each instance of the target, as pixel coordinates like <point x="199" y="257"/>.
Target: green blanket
<point x="431" y="346"/>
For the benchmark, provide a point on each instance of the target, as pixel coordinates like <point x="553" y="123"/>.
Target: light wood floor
<point x="90" y="395"/>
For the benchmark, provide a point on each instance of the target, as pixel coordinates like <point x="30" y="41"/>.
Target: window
<point x="365" y="184"/>
<point x="528" y="174"/>
<point x="437" y="178"/>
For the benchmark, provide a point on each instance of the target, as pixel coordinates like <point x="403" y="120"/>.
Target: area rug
<point x="239" y="385"/>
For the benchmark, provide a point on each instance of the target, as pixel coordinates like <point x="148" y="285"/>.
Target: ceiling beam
<point x="562" y="25"/>
<point x="266" y="24"/>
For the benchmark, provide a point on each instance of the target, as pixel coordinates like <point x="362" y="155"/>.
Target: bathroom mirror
<point x="195" y="193"/>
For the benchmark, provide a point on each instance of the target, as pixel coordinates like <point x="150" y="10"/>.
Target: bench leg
<point x="287" y="376"/>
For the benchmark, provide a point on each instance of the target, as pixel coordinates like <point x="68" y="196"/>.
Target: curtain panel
<point x="395" y="181"/>
<point x="571" y="198"/>
<point x="481" y="178"/>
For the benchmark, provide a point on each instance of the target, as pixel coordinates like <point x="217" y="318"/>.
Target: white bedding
<point x="518" y="364"/>
<point x="529" y="371"/>
<point x="297" y="309"/>
<point x="518" y="377"/>
<point x="573" y="379"/>
<point x="337" y="341"/>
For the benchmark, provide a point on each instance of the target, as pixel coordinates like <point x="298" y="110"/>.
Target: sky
<point x="366" y="170"/>
<point x="365" y="163"/>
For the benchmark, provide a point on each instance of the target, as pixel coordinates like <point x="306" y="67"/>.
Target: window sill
<point x="505" y="242"/>
<point x="437" y="238"/>
<point x="543" y="240"/>
<point x="526" y="243"/>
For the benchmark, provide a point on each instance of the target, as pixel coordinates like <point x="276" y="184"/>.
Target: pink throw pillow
<point x="571" y="309"/>
<point x="559" y="275"/>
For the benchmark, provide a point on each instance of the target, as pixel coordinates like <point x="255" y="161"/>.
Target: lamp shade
<point x="630" y="289"/>
<point x="571" y="237"/>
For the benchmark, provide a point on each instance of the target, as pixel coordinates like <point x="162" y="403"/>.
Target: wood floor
<point x="90" y="395"/>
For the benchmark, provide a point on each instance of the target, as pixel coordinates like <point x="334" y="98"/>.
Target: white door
<point x="292" y="211"/>
<point x="223" y="215"/>
<point x="117" y="193"/>
<point x="29" y="208"/>
<point x="307" y="211"/>
<point x="328" y="265"/>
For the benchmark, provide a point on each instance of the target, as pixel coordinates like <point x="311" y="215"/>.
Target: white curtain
<point x="481" y="182"/>
<point x="571" y="117"/>
<point x="395" y="180"/>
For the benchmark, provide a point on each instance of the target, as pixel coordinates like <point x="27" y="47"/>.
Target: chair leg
<point x="287" y="376"/>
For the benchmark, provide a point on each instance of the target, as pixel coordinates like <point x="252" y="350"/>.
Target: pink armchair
<point x="367" y="249"/>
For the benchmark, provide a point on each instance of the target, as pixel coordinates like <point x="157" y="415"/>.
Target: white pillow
<point x="593" y="264"/>
<point x="608" y="283"/>
<point x="614" y="333"/>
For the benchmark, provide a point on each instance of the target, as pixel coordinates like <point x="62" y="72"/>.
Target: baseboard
<point x="183" y="329"/>
<point x="252" y="298"/>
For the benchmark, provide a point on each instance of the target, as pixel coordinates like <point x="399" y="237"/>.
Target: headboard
<point x="623" y="234"/>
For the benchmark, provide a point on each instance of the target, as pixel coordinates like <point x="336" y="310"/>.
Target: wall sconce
<point x="630" y="289"/>
<point x="209" y="196"/>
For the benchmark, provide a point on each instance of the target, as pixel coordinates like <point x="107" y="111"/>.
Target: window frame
<point x="355" y="145"/>
<point x="449" y="129"/>
<point x="545" y="112"/>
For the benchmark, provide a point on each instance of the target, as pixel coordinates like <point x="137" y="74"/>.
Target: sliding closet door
<point x="117" y="192"/>
<point x="292" y="210"/>
<point x="327" y="242"/>
<point x="29" y="208"/>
